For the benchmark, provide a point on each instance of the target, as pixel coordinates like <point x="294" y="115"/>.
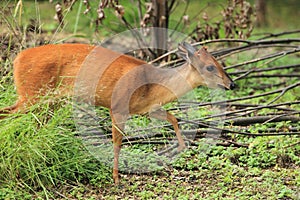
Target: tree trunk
<point x="261" y="10"/>
<point x="160" y="20"/>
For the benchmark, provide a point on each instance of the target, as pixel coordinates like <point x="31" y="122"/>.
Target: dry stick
<point x="270" y="35"/>
<point x="163" y="56"/>
<point x="249" y="109"/>
<point x="229" y="143"/>
<point x="235" y="50"/>
<point x="292" y="119"/>
<point x="273" y="106"/>
<point x="282" y="53"/>
<point x="203" y="132"/>
<point x="284" y="90"/>
<point x="223" y="52"/>
<point x="241" y="133"/>
<point x="273" y="75"/>
<point x="224" y="40"/>
<point x="245" y="121"/>
<point x="251" y="71"/>
<point x="265" y="69"/>
<point x="240" y="121"/>
<point x="255" y="106"/>
<point x="249" y="44"/>
<point x="265" y="63"/>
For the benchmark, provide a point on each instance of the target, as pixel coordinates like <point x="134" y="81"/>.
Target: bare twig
<point x="251" y="109"/>
<point x="246" y="121"/>
<point x="282" y="53"/>
<point x="240" y="132"/>
<point x="270" y="35"/>
<point x="264" y="69"/>
<point x="273" y="75"/>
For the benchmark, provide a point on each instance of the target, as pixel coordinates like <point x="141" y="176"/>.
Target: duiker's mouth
<point x="230" y="87"/>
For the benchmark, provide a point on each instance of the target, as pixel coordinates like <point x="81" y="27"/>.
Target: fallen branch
<point x="282" y="53"/>
<point x="251" y="109"/>
<point x="273" y="75"/>
<point x="270" y="35"/>
<point x="246" y="121"/>
<point x="264" y="69"/>
<point x="246" y="133"/>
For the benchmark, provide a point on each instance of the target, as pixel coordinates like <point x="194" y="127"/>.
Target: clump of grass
<point x="40" y="151"/>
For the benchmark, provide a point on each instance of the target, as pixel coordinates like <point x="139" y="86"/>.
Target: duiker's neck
<point x="182" y="79"/>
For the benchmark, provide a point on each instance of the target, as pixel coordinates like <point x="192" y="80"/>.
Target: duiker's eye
<point x="210" y="68"/>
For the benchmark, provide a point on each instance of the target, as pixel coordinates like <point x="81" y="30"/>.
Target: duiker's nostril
<point x="232" y="85"/>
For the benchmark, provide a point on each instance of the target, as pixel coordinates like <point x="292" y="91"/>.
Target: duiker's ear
<point x="186" y="51"/>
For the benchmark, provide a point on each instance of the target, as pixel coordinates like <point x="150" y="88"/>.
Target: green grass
<point x="40" y="151"/>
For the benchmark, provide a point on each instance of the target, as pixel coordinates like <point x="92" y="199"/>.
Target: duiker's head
<point x="210" y="72"/>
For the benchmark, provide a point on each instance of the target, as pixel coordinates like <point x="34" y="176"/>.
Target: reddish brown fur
<point x="143" y="87"/>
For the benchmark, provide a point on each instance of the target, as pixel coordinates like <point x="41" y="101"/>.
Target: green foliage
<point x="246" y="172"/>
<point x="39" y="150"/>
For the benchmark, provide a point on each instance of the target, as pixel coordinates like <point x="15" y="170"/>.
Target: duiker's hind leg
<point x="8" y="110"/>
<point x="20" y="106"/>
